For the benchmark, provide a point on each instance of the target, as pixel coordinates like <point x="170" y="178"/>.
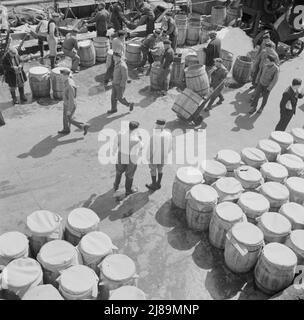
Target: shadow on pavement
<point x="149" y="97"/>
<point x="99" y="122"/>
<point x="241" y="102"/>
<point x="245" y="122"/>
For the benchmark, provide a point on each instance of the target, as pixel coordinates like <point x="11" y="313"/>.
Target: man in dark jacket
<point x="213" y="49"/>
<point x="118" y="17"/>
<point x="101" y="20"/>
<point x="288" y="104"/>
<point x="146" y="15"/>
<point x="170" y="29"/>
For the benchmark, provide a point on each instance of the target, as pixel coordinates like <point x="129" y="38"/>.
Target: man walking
<point x="288" y="104"/>
<point x="266" y="80"/>
<point x="170" y="29"/>
<point x="213" y="50"/>
<point x="101" y="20"/>
<point x="160" y="147"/>
<point x="70" y="49"/>
<point x="120" y="78"/>
<point x="69" y="105"/>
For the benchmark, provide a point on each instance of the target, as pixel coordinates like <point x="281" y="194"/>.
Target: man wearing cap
<point x="69" y="105"/>
<point x="147" y="48"/>
<point x="160" y="147"/>
<point x="266" y="39"/>
<point x="101" y="20"/>
<point x="52" y="37"/>
<point x="218" y="74"/>
<point x="288" y="104"/>
<point x="146" y="15"/>
<point x="165" y="67"/>
<point x="120" y="78"/>
<point x="170" y="29"/>
<point x="213" y="49"/>
<point x="70" y="49"/>
<point x="118" y="17"/>
<point x="129" y="147"/>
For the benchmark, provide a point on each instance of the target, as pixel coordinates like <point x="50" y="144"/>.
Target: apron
<point x="52" y="42"/>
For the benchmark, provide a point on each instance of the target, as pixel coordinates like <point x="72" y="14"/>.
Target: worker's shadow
<point x="245" y="122"/>
<point x="46" y="146"/>
<point x="149" y="97"/>
<point x="242" y="102"/>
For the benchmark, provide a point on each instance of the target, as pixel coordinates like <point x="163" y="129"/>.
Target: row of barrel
<point x="252" y="206"/>
<point x="72" y="261"/>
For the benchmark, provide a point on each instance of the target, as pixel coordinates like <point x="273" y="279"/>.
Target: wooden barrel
<point x="218" y="15"/>
<point x="191" y="59"/>
<point x="253" y="157"/>
<point x="102" y="45"/>
<point x="294" y="212"/>
<point x="227" y="59"/>
<point x="117" y="270"/>
<point x="241" y="70"/>
<point x="276" y="193"/>
<point x="272" y="171"/>
<point x="197" y="79"/>
<point x="270" y="148"/>
<point x="43" y="292"/>
<point x="293" y="164"/>
<point x="232" y="14"/>
<point x="55" y="256"/>
<point x="275" y="227"/>
<point x="298" y="135"/>
<point x="228" y="189"/>
<point x="80" y="222"/>
<point x="185" y="179"/>
<point x="229" y="158"/>
<point x="284" y="139"/>
<point x="212" y="171"/>
<point x="127" y="293"/>
<point x="249" y="177"/>
<point x="275" y="269"/>
<point x="57" y="82"/>
<point x="13" y="245"/>
<point x="193" y="33"/>
<point x="295" y="186"/>
<point x="109" y="58"/>
<point x="177" y="72"/>
<point x="182" y="34"/>
<point x="225" y="216"/>
<point x="87" y="53"/>
<point x="244" y="243"/>
<point x="201" y="201"/>
<point x="181" y="19"/>
<point x="186" y="103"/>
<point x="203" y="35"/>
<point x="20" y="275"/>
<point x="253" y="205"/>
<point x="39" y="79"/>
<point x="295" y="242"/>
<point x="95" y="246"/>
<point x="133" y="53"/>
<point x="78" y="283"/>
<point x="297" y="149"/>
<point x="155" y="70"/>
<point x="43" y="226"/>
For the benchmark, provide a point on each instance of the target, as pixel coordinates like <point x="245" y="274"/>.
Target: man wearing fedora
<point x="70" y="49"/>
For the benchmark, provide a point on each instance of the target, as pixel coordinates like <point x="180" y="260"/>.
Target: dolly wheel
<point x="198" y="121"/>
<point x="296" y="48"/>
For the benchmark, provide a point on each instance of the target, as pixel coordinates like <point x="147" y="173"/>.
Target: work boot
<point x="14" y="97"/>
<point x="128" y="186"/>
<point x="85" y="129"/>
<point x="64" y="132"/>
<point x="111" y="111"/>
<point x="153" y="186"/>
<point x="131" y="105"/>
<point x="160" y="175"/>
<point x="22" y="95"/>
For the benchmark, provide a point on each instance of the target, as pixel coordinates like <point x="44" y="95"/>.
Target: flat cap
<point x="160" y="122"/>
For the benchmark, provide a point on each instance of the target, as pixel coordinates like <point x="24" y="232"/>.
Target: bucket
<point x="87" y="53"/>
<point x="212" y="171"/>
<point x="80" y="222"/>
<point x="244" y="243"/>
<point x="253" y="157"/>
<point x="102" y="45"/>
<point x="13" y="245"/>
<point x="284" y="139"/>
<point x="197" y="79"/>
<point x="295" y="242"/>
<point x="182" y="34"/>
<point x="218" y="15"/>
<point x="295" y="186"/>
<point x="298" y="135"/>
<point x="275" y="227"/>
<point x="39" y="79"/>
<point x="253" y="205"/>
<point x="127" y="293"/>
<point x="275" y="269"/>
<point x="229" y="158"/>
<point x="227" y="59"/>
<point x="276" y="193"/>
<point x="117" y="270"/>
<point x="177" y="72"/>
<point x="249" y="177"/>
<point x="241" y="70"/>
<point x="154" y="74"/>
<point x="193" y="33"/>
<point x="43" y="226"/>
<point x="78" y="283"/>
<point x="293" y="164"/>
<point x="95" y="246"/>
<point x="42" y="292"/>
<point x="57" y="82"/>
<point x="228" y="189"/>
<point x="133" y="53"/>
<point x="297" y="149"/>
<point x="185" y="179"/>
<point x="294" y="212"/>
<point x="225" y="216"/>
<point x="191" y="59"/>
<point x="201" y="201"/>
<point x="270" y="148"/>
<point x="272" y="171"/>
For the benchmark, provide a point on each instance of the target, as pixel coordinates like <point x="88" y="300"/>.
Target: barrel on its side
<point x="197" y="79"/>
<point x="87" y="53"/>
<point x="242" y="69"/>
<point x="102" y="45"/>
<point x="39" y="79"/>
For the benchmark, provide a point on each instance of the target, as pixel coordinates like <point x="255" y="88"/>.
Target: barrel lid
<point x="282" y="137"/>
<point x="82" y="219"/>
<point x="214" y="168"/>
<point x="228" y="157"/>
<point x="297" y="149"/>
<point x="21" y="272"/>
<point x="229" y="211"/>
<point x="38" y="70"/>
<point x="298" y="133"/>
<point x="274" y="170"/>
<point x="295" y="184"/>
<point x="254" y="201"/>
<point x="291" y="161"/>
<point x="248" y="173"/>
<point x="294" y="211"/>
<point x="247" y="233"/>
<point x="204" y="193"/>
<point x="253" y="154"/>
<point x="42" y="222"/>
<point x="134" y="44"/>
<point x="189" y="175"/>
<point x="96" y="243"/>
<point x="12" y="244"/>
<point x="279" y="254"/>
<point x="297" y="237"/>
<point x="78" y="279"/>
<point x="127" y="293"/>
<point x="84" y="43"/>
<point x="228" y="185"/>
<point x="275" y="222"/>
<point x="58" y="69"/>
<point x="275" y="190"/>
<point x="56" y="253"/>
<point x="269" y="146"/>
<point x="43" y="292"/>
<point x="118" y="267"/>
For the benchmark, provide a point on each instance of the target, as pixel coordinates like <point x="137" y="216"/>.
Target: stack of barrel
<point x="252" y="205"/>
<point x="71" y="261"/>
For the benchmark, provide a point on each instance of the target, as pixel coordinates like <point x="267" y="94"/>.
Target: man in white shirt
<point x="160" y="147"/>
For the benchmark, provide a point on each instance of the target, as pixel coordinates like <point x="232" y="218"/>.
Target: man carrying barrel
<point x="169" y="29"/>
<point x="101" y="20"/>
<point x="146" y="15"/>
<point x="213" y="50"/>
<point x="69" y="105"/>
<point x="70" y="49"/>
